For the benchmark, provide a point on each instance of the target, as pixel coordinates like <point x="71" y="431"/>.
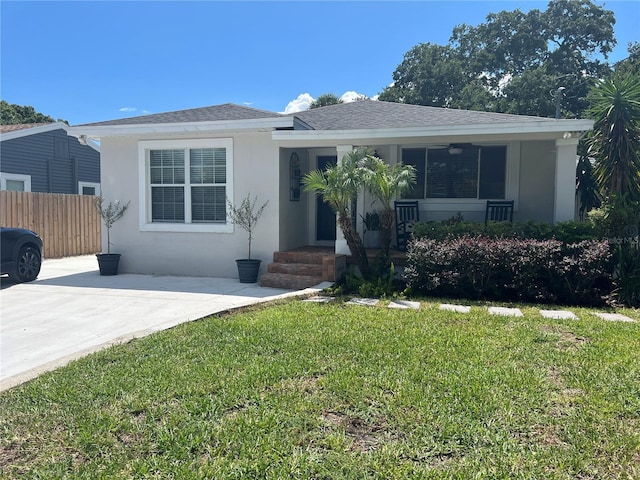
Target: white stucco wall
<point x="294" y="214"/>
<point x="537" y="170"/>
<point x="255" y="171"/>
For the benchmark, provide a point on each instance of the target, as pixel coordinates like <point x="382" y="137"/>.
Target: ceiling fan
<point x="454" y="148"/>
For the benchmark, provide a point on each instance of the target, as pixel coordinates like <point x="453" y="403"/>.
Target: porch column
<point x="565" y="181"/>
<point x="341" y="244"/>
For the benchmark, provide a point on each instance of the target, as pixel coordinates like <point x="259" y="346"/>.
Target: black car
<point x="21" y="251"/>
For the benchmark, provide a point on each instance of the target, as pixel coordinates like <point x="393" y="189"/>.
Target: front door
<point x="325" y="216"/>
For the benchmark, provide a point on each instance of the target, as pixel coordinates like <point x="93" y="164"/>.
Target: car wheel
<point x="27" y="265"/>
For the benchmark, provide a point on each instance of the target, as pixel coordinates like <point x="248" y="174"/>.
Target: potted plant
<point x="111" y="213"/>
<point x="246" y="216"/>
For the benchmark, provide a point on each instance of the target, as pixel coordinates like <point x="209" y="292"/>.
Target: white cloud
<point x="303" y="101"/>
<point x="351" y="96"/>
<point x="299" y="104"/>
<point x="128" y="109"/>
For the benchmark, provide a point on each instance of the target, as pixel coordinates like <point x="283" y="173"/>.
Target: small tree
<point x="110" y="214"/>
<point x="386" y="183"/>
<point x="246" y="215"/>
<point x="339" y="186"/>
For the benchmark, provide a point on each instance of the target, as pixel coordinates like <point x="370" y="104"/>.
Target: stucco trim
<point x="553" y="128"/>
<point x="144" y="192"/>
<point x="182" y="127"/>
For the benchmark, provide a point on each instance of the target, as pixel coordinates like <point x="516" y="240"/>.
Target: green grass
<point x="311" y="391"/>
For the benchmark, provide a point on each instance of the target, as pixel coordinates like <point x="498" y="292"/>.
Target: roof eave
<point x="181" y="128"/>
<point x="551" y="127"/>
<point x="33" y="131"/>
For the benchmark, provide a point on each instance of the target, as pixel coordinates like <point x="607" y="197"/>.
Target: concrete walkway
<point x="71" y="311"/>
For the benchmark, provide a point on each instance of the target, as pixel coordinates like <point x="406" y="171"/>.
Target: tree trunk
<point x="355" y="244"/>
<point x="387" y="219"/>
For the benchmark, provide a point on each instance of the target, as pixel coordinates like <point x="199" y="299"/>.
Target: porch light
<point x="455" y="150"/>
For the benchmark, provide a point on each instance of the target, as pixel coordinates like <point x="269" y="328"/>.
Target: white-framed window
<point x="88" y="188"/>
<point x="475" y="173"/>
<point x="186" y="185"/>
<point x="15" y="182"/>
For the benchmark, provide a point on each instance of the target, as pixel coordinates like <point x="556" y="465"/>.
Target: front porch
<point x="307" y="266"/>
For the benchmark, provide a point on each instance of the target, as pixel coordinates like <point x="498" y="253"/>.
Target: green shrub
<point x="627" y="274"/>
<point x="566" y="232"/>
<point x="511" y="269"/>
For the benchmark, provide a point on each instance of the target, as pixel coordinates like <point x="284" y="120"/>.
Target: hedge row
<point x="567" y="232"/>
<point x="546" y="271"/>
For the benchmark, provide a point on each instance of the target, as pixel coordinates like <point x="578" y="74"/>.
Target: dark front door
<point x="325" y="216"/>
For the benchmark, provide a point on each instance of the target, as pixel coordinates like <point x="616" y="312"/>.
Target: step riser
<point x="297" y="257"/>
<point x="289" y="282"/>
<point x="296" y="269"/>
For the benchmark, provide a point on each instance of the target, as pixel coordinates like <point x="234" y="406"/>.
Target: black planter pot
<point x="248" y="270"/>
<point x="108" y="263"/>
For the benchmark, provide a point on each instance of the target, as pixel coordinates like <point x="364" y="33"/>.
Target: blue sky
<point x="91" y="61"/>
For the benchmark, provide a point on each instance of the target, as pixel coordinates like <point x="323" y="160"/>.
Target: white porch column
<point x="565" y="181"/>
<point x="341" y="244"/>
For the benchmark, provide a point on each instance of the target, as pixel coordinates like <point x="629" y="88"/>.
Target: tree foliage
<point x="246" y="215"/>
<point x="13" y="114"/>
<point x="631" y="64"/>
<point x="514" y="62"/>
<point x="615" y="142"/>
<point x="386" y="183"/>
<point x="324" y="100"/>
<point x="339" y="185"/>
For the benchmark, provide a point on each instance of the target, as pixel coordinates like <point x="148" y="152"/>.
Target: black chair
<point x="407" y="214"/>
<point x="499" y="211"/>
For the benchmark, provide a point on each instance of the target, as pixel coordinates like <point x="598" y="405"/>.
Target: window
<point x="88" y="188"/>
<point x="187" y="184"/>
<point x="15" y="182"/>
<point x="473" y="173"/>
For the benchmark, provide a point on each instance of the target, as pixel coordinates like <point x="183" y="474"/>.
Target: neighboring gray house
<point x="41" y="157"/>
<point x="178" y="168"/>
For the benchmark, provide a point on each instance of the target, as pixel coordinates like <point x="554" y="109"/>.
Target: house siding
<point x="255" y="172"/>
<point x="52" y="170"/>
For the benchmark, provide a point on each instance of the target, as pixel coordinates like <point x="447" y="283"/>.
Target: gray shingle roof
<point x="364" y="114"/>
<point x="225" y="112"/>
<point x="20" y="126"/>
<point x="369" y="114"/>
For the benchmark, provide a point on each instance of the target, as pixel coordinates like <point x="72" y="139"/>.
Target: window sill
<point x="187" y="227"/>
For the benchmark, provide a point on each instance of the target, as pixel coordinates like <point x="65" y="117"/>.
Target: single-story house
<point x="177" y="169"/>
<point x="41" y="157"/>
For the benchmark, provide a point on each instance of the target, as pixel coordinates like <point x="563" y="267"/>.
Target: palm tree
<point x="339" y="186"/>
<point x="386" y="183"/>
<point x="587" y="189"/>
<point x="615" y="143"/>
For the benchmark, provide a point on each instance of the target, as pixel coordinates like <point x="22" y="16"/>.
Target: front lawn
<point x="311" y="391"/>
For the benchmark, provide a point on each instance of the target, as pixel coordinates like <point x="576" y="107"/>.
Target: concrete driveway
<point x="71" y="311"/>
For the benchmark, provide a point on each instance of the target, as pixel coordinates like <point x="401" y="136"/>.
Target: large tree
<point x="13" y="114"/>
<point x="514" y="62"/>
<point x="631" y="64"/>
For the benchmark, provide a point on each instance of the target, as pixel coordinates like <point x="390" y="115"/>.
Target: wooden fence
<point x="68" y="224"/>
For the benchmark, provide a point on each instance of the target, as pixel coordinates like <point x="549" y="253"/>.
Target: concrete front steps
<point x="303" y="268"/>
